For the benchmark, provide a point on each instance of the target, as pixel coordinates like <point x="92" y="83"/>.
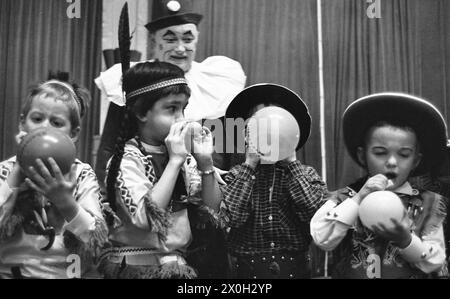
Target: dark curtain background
<point x="275" y="41"/>
<point x="36" y="37"/>
<point x="407" y="50"/>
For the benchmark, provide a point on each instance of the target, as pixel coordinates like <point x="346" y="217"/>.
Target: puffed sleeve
<point x="214" y="83"/>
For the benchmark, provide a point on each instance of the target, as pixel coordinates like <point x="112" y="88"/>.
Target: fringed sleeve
<point x="134" y="186"/>
<point x="87" y="233"/>
<point x="9" y="221"/>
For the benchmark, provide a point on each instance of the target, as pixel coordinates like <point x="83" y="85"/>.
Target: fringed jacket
<point x="143" y="231"/>
<point x="37" y="242"/>
<point x="359" y="253"/>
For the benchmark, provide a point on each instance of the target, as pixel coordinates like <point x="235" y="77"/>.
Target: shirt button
<point x="272" y="245"/>
<point x="270" y="218"/>
<point x="253" y="177"/>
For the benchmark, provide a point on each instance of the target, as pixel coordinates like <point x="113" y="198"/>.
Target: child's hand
<point x="399" y="234"/>
<point x="175" y="143"/>
<point x="203" y="149"/>
<point x="57" y="188"/>
<point x="375" y="183"/>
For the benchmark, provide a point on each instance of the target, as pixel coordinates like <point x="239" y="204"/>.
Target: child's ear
<point x="141" y="118"/>
<point x="417" y="160"/>
<point x="21" y="122"/>
<point x="361" y="156"/>
<point x="75" y="134"/>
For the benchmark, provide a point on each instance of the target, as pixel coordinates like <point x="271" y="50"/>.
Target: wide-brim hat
<point x="166" y="13"/>
<point x="266" y="93"/>
<point x="398" y="108"/>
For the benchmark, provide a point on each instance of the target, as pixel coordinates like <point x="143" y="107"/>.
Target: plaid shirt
<point x="269" y="209"/>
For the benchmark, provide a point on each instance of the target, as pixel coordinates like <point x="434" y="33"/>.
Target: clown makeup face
<point x="177" y="45"/>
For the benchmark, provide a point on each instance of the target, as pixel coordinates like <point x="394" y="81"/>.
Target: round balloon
<point x="380" y="207"/>
<point x="273" y="133"/>
<point x="44" y="143"/>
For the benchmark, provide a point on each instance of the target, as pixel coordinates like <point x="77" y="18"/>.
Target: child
<point x="268" y="207"/>
<point x="50" y="225"/>
<point x="156" y="190"/>
<point x="390" y="135"/>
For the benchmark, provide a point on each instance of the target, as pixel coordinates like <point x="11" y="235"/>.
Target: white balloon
<point x="380" y="207"/>
<point x="273" y="132"/>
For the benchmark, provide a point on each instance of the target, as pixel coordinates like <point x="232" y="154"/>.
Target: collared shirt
<point x="268" y="209"/>
<point x="334" y="219"/>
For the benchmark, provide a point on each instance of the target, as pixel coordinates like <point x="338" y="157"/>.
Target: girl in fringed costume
<point x="51" y="225"/>
<point x="392" y="136"/>
<point x="158" y="193"/>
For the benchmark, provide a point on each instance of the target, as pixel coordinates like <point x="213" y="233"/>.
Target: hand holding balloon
<point x="55" y="186"/>
<point x="398" y="234"/>
<point x="45" y="143"/>
<point x="378" y="182"/>
<point x="383" y="213"/>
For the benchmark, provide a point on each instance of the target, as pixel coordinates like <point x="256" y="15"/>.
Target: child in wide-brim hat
<point x="268" y="207"/>
<point x="391" y="136"/>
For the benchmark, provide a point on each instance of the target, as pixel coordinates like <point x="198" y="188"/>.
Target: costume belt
<point x="141" y="256"/>
<point x="271" y="266"/>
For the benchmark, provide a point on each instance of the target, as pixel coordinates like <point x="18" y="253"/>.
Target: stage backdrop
<point x="36" y="37"/>
<point x="407" y="49"/>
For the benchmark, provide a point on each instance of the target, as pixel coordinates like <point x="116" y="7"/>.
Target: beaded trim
<point x="153" y="87"/>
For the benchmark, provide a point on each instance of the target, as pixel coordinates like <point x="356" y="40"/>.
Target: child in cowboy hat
<point x="268" y="207"/>
<point x="391" y="136"/>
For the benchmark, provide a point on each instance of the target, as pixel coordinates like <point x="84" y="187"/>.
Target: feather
<point x="124" y="39"/>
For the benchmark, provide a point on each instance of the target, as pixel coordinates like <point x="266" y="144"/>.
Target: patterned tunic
<point x="76" y="243"/>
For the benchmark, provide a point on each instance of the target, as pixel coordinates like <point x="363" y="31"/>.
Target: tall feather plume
<point x="124" y="38"/>
<point x="124" y="48"/>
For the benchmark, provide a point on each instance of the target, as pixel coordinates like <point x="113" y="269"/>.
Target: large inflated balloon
<point x="44" y="143"/>
<point x="380" y="207"/>
<point x="273" y="132"/>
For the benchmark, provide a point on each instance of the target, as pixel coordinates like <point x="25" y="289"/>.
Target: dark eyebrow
<point x="188" y="33"/>
<point x="169" y="32"/>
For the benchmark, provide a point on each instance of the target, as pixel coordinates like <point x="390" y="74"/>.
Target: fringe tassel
<point x="90" y="251"/>
<point x="435" y="211"/>
<point x="158" y="219"/>
<point x="166" y="271"/>
<point x="8" y="229"/>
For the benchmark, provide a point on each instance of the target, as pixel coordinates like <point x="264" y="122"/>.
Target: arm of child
<point x="426" y="253"/>
<point x="203" y="150"/>
<point x="236" y="203"/>
<point x="8" y="196"/>
<point x="89" y="224"/>
<point x="306" y="189"/>
<point x="162" y="191"/>
<point x="330" y="223"/>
